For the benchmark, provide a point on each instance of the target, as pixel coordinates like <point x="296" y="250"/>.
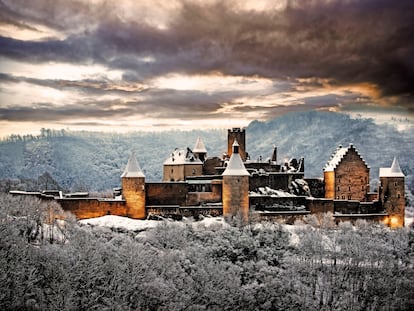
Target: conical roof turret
<point x="132" y="168"/>
<point x="235" y="167"/>
<point x="393" y="171"/>
<point x="395" y="167"/>
<point x="199" y="146"/>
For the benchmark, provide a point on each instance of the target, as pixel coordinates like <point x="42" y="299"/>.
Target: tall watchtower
<point x="392" y="193"/>
<point x="235" y="187"/>
<point x="239" y="135"/>
<point x="133" y="189"/>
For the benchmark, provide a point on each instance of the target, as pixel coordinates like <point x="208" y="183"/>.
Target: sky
<point x="151" y="65"/>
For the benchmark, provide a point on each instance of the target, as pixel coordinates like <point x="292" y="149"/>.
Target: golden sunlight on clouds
<point x="58" y="71"/>
<point x="138" y="65"/>
<point x="210" y="83"/>
<point x="13" y="96"/>
<point x="32" y="33"/>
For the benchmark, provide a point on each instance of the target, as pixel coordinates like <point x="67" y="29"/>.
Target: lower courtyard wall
<point x="174" y="200"/>
<point x="84" y="208"/>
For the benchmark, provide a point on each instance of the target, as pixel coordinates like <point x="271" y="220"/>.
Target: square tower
<point x="239" y="135"/>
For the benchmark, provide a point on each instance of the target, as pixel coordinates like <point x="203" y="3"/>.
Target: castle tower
<point x="392" y="193"/>
<point x="235" y="187"/>
<point x="133" y="189"/>
<point x="239" y="135"/>
<point x="200" y="150"/>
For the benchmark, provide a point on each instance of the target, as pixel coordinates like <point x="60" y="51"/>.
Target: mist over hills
<point x="94" y="161"/>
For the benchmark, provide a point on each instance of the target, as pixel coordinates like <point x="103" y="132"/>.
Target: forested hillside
<point x="94" y="161"/>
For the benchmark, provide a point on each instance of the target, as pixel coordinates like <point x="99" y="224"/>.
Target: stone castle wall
<point x="171" y="193"/>
<point x="89" y="208"/>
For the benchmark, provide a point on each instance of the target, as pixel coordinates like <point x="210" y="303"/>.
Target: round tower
<point x="392" y="194"/>
<point x="133" y="189"/>
<point x="235" y="194"/>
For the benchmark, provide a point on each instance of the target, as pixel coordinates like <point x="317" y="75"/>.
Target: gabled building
<point x="346" y="175"/>
<point x="180" y="164"/>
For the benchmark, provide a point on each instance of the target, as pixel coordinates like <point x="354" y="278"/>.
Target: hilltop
<point x="94" y="161"/>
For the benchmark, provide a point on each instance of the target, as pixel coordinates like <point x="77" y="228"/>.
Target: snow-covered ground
<point x="409" y="221"/>
<point x="124" y="223"/>
<point x="118" y="222"/>
<point x="129" y="224"/>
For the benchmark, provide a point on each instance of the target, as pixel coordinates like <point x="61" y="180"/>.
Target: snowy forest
<point x="88" y="161"/>
<point x="52" y="264"/>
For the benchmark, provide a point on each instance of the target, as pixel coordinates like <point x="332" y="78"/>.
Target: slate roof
<point x="199" y="146"/>
<point x="182" y="156"/>
<point x="132" y="168"/>
<point x="393" y="171"/>
<point x="235" y="166"/>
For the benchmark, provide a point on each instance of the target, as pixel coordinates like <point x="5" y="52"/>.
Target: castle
<point x="233" y="185"/>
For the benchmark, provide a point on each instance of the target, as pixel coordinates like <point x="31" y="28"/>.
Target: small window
<point x="338" y="188"/>
<point x="395" y="184"/>
<point x="349" y="197"/>
<point x="343" y="197"/>
<point x="349" y="188"/>
<point x="398" y="195"/>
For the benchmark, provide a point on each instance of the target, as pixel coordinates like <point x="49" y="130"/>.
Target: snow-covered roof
<point x="393" y="171"/>
<point x="182" y="156"/>
<point x="267" y="191"/>
<point x="132" y="169"/>
<point x="337" y="157"/>
<point x="235" y="166"/>
<point x="199" y="146"/>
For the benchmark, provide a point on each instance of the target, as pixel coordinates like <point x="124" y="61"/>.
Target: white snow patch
<point x="409" y="221"/>
<point x="294" y="237"/>
<point x="270" y="192"/>
<point x="210" y="221"/>
<point x="120" y="222"/>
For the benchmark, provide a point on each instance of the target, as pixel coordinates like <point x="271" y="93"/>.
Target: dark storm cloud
<point x="88" y="86"/>
<point x="345" y="42"/>
<point x="48" y="112"/>
<point x="57" y="14"/>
